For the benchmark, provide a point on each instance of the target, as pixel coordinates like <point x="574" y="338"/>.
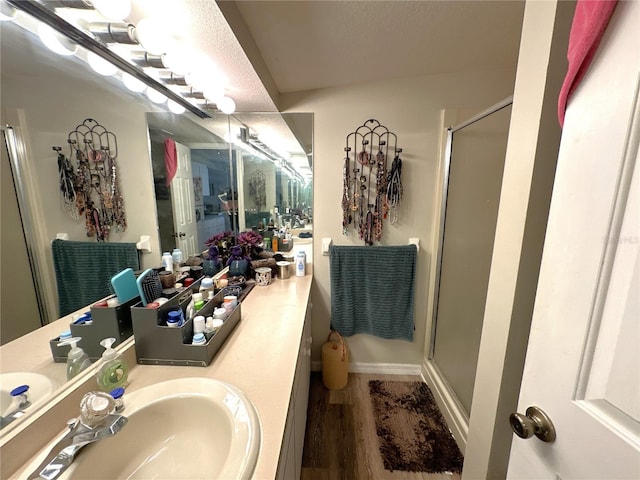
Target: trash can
<point x="335" y="362"/>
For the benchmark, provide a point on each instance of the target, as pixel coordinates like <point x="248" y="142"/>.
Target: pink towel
<point x="170" y="159"/>
<point x="589" y="23"/>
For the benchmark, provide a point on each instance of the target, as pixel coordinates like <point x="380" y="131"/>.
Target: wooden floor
<point x="341" y="440"/>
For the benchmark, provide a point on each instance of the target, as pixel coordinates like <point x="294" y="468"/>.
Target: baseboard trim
<point x="381" y="368"/>
<point x="447" y="401"/>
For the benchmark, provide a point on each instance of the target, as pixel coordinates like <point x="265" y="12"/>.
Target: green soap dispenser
<point x="113" y="372"/>
<point x="77" y="360"/>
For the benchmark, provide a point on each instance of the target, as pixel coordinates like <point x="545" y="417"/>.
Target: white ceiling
<point x="272" y="47"/>
<point x="319" y="44"/>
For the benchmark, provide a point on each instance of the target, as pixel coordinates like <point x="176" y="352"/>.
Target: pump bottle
<point x="77" y="360"/>
<point x="113" y="371"/>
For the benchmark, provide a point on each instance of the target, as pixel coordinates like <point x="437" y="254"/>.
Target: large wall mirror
<point x="248" y="170"/>
<point x="240" y="180"/>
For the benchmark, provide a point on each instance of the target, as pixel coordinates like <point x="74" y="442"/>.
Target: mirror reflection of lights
<point x="100" y="65"/>
<point x="7" y="12"/>
<point x="175" y="107"/>
<point x="132" y="83"/>
<point x="155" y="96"/>
<point x="56" y="42"/>
<point x="227" y="105"/>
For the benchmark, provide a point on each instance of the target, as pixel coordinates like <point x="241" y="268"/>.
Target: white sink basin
<point x="178" y="429"/>
<point x="40" y="387"/>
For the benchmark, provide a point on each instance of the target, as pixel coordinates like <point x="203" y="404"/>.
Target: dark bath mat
<point x="413" y="434"/>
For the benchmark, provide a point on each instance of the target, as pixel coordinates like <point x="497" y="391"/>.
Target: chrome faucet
<point x="94" y="424"/>
<point x="21" y="398"/>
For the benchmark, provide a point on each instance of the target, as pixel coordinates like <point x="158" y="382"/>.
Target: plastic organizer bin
<point x="157" y="344"/>
<point x="107" y="322"/>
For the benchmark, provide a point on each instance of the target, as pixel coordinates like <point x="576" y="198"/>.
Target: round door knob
<point x="535" y="422"/>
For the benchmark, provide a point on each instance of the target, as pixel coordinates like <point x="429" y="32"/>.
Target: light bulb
<point x="152" y="36"/>
<point x="113" y="9"/>
<point x="155" y="96"/>
<point x="179" y="59"/>
<point x="132" y="83"/>
<point x="100" y="65"/>
<point x="175" y="107"/>
<point x="56" y="42"/>
<point x="213" y="92"/>
<point x="227" y="105"/>
<point x="7" y="12"/>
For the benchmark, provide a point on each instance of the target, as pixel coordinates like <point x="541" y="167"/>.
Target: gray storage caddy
<point x="107" y="322"/>
<point x="157" y="344"/>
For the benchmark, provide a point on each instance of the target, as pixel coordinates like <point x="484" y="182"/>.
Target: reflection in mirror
<point x="220" y="186"/>
<point x="44" y="97"/>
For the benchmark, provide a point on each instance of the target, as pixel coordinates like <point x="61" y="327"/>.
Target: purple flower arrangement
<point x="223" y="245"/>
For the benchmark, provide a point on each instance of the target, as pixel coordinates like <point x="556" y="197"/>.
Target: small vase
<point x="211" y="267"/>
<point x="238" y="267"/>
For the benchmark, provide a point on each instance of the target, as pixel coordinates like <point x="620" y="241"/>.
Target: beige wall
<point x="411" y="108"/>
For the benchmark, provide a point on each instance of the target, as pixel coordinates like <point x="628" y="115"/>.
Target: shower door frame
<point x="16" y="154"/>
<point x="443" y="209"/>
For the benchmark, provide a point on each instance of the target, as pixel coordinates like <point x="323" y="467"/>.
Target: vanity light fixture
<point x="114" y="32"/>
<point x="109" y="41"/>
<point x="179" y="58"/>
<point x="151" y="35"/>
<point x="146" y="59"/>
<point x="227" y="105"/>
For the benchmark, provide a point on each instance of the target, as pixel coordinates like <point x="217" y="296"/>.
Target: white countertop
<point x="259" y="357"/>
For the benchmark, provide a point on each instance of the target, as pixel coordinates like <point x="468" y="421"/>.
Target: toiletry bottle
<point x="301" y="260"/>
<point x="198" y="324"/>
<point x="175" y="318"/>
<point x="167" y="261"/>
<point x="206" y="288"/>
<point x="209" y="331"/>
<point x="113" y="371"/>
<point x="199" y="339"/>
<point x="176" y="257"/>
<point x="77" y="360"/>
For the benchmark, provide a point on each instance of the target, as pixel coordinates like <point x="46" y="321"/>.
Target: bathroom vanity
<point x="267" y="356"/>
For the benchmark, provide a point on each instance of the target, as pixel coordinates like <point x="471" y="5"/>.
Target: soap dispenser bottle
<point x="77" y="360"/>
<point x="113" y="372"/>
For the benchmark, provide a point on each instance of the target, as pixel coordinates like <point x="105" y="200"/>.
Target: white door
<point x="183" y="204"/>
<point x="583" y="365"/>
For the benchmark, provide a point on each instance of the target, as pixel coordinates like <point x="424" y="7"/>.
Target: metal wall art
<point x="89" y="186"/>
<point x="372" y="188"/>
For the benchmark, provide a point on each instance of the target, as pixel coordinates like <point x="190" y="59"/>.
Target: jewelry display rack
<point x="372" y="189"/>
<point x="91" y="188"/>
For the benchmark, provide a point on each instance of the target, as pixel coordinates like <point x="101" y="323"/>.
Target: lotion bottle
<point x="77" y="360"/>
<point x="113" y="371"/>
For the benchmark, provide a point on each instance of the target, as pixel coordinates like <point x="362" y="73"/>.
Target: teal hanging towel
<point x="373" y="290"/>
<point x="84" y="270"/>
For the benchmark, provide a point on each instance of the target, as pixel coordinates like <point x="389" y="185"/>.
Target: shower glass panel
<point x="476" y="165"/>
